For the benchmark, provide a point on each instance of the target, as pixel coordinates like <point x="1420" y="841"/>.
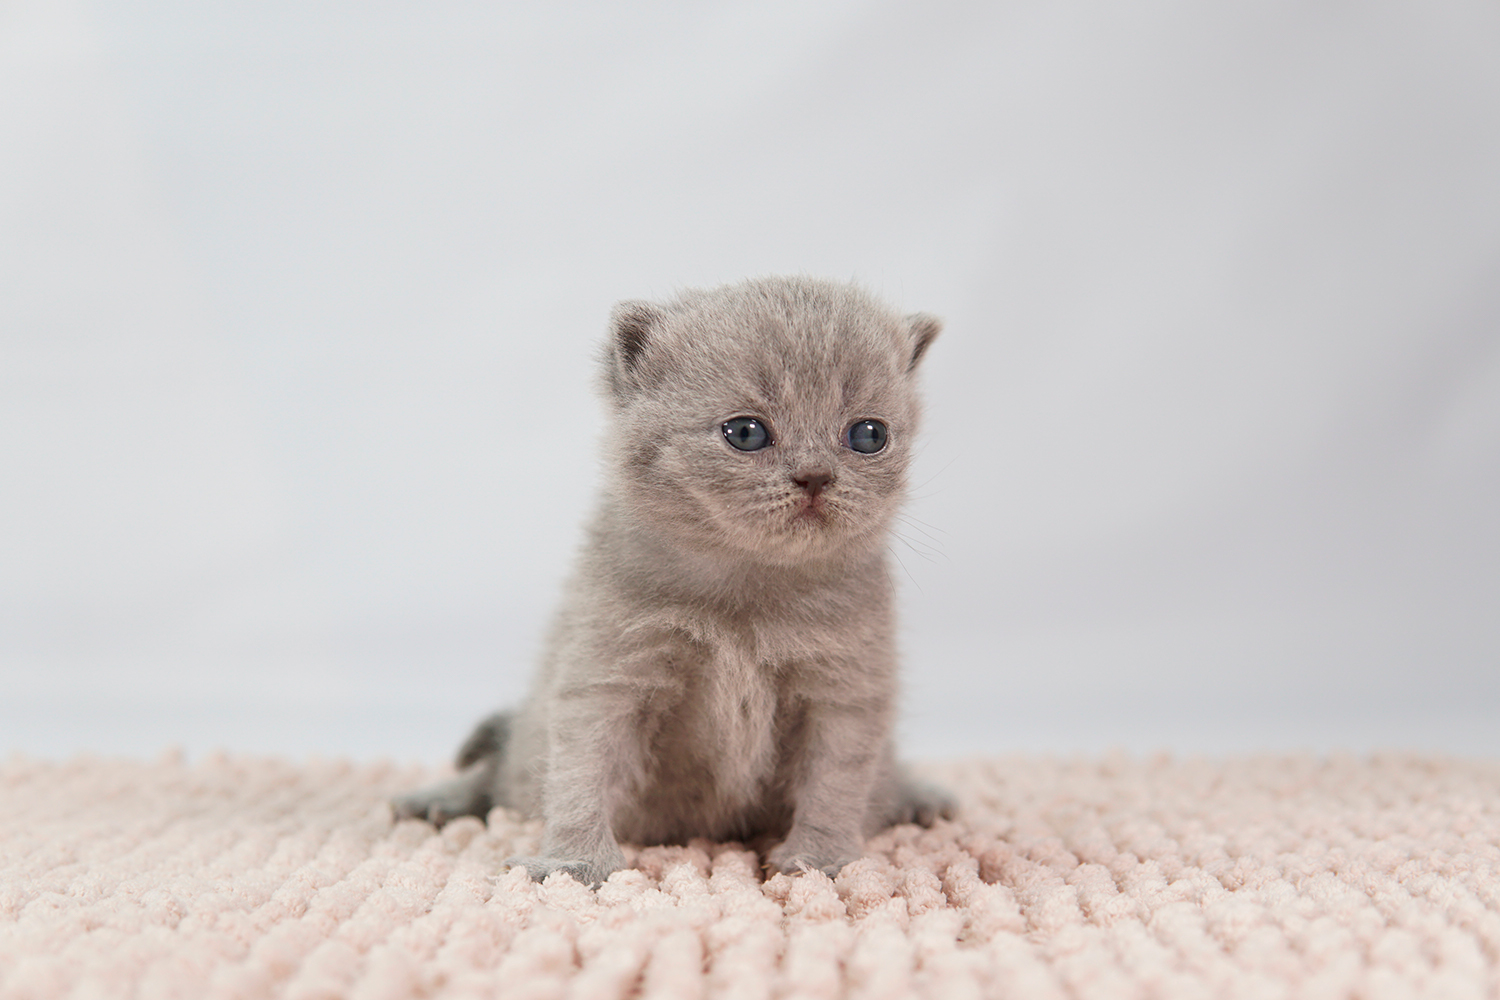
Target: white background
<point x="299" y="301"/>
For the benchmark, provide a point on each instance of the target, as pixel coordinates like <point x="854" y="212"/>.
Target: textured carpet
<point x="1113" y="878"/>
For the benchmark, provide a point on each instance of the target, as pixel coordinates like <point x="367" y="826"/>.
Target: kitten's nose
<point x="814" y="481"/>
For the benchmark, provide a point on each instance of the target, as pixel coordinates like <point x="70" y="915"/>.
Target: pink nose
<point x="813" y="482"/>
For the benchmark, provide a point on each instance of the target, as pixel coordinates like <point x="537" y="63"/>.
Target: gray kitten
<point x="724" y="662"/>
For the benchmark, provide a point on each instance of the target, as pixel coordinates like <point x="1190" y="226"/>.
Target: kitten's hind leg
<point x="911" y="800"/>
<point x="471" y="793"/>
<point x="924" y="803"/>
<point x="487" y="741"/>
<point x="466" y="795"/>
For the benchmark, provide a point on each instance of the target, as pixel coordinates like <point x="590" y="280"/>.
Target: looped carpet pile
<point x="1112" y="878"/>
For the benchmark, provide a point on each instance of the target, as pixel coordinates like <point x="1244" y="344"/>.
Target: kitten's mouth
<point x="812" y="510"/>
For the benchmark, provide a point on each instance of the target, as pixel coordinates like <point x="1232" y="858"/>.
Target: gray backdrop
<point x="298" y="306"/>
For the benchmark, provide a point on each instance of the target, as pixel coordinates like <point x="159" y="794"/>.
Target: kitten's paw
<point x="589" y="873"/>
<point x="465" y="795"/>
<point x="923" y="804"/>
<point x="790" y="862"/>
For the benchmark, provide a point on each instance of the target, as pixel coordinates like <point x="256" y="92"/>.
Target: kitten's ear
<point x="630" y="329"/>
<point x="923" y="329"/>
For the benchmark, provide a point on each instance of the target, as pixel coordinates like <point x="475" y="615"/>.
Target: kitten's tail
<point x="487" y="741"/>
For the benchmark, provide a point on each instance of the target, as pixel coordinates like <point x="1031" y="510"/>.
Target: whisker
<point x="939" y="472"/>
<point x="913" y="579"/>
<point x="915" y="520"/>
<point x="930" y="555"/>
<point x="916" y="526"/>
<point x="928" y="540"/>
<point x="929" y="544"/>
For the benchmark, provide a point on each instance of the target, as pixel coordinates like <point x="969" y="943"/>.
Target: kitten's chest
<point x="735" y="686"/>
<point x="725" y="721"/>
<point x="731" y="700"/>
<point x="742" y="669"/>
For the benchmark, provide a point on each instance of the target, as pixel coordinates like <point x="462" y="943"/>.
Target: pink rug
<point x="1113" y="878"/>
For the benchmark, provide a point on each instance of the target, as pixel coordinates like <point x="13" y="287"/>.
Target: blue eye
<point x="868" y="436"/>
<point x="746" y="433"/>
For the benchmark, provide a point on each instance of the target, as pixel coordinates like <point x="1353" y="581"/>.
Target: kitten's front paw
<point x="791" y="861"/>
<point x="589" y="873"/>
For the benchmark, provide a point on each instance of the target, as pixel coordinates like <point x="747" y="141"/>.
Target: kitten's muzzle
<point x="813" y="481"/>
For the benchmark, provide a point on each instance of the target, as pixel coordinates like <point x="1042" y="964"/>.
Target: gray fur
<point x="724" y="662"/>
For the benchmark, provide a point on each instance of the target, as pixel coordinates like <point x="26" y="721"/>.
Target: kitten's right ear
<point x="630" y="324"/>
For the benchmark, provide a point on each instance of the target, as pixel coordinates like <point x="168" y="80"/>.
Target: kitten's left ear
<point x="923" y="329"/>
<point x="630" y="329"/>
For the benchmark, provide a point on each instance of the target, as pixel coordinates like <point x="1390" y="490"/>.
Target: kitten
<point x="724" y="663"/>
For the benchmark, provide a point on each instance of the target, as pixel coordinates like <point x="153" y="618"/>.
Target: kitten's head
<point x="771" y="420"/>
